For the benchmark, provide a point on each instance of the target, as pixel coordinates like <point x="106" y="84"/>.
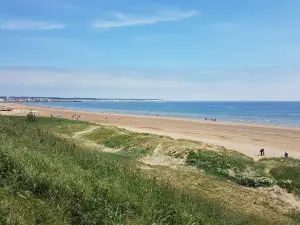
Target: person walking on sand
<point x="286" y="155"/>
<point x="262" y="152"/>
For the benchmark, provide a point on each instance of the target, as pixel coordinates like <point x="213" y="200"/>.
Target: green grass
<point x="221" y="162"/>
<point x="113" y="137"/>
<point x="295" y="216"/>
<point x="24" y="208"/>
<point x="288" y="176"/>
<point x="245" y="171"/>
<point x="134" y="153"/>
<point x="102" y="134"/>
<point x="62" y="126"/>
<point x="129" y="143"/>
<point x="231" y="165"/>
<point x="73" y="185"/>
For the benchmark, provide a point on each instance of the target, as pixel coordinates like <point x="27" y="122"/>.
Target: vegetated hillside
<point x="46" y="179"/>
<point x="213" y="160"/>
<point x="49" y="180"/>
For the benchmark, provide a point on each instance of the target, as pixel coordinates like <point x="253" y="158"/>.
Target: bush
<point x="256" y="181"/>
<point x="288" y="176"/>
<point x="230" y="165"/>
<point x="287" y="184"/>
<point x="31" y="117"/>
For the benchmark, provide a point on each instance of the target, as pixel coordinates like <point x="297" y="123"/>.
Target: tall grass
<point x="88" y="187"/>
<point x="220" y="162"/>
<point x="245" y="171"/>
<point x="137" y="144"/>
<point x="231" y="165"/>
<point x="24" y="208"/>
<point x="288" y="177"/>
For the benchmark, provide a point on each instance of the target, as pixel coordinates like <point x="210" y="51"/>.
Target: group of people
<point x="214" y="120"/>
<point x="262" y="153"/>
<point x="76" y="116"/>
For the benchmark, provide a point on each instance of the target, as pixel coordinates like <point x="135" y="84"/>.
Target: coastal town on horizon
<point x="64" y="99"/>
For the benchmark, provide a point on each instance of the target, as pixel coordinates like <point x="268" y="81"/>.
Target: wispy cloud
<point x="126" y="20"/>
<point x="30" y="25"/>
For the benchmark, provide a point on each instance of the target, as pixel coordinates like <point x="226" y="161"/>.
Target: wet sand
<point x="245" y="138"/>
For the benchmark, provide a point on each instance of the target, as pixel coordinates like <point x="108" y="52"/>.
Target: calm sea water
<point x="273" y="113"/>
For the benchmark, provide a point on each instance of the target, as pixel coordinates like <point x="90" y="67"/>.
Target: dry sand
<point x="245" y="138"/>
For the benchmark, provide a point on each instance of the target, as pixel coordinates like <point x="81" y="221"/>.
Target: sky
<point x="198" y="50"/>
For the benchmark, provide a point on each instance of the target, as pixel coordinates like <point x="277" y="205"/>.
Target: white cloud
<point x="126" y="20"/>
<point x="211" y="84"/>
<point x="30" y="25"/>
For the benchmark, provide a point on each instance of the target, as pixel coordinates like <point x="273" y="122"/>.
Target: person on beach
<point x="286" y="155"/>
<point x="262" y="152"/>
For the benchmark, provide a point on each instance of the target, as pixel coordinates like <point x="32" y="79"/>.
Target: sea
<point x="267" y="113"/>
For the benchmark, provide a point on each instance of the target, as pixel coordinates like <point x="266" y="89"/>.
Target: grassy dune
<point x="46" y="179"/>
<point x="213" y="160"/>
<point x="49" y="180"/>
<point x="288" y="175"/>
<point x="216" y="161"/>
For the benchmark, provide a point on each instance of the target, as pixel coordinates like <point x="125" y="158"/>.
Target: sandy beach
<point x="245" y="138"/>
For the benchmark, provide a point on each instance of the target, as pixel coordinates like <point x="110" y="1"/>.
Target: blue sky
<point x="177" y="50"/>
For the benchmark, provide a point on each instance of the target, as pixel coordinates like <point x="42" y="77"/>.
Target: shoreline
<point x="201" y="120"/>
<point x="244" y="138"/>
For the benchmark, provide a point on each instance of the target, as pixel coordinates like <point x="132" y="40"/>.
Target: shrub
<point x="288" y="176"/>
<point x="31" y="117"/>
<point x="287" y="184"/>
<point x="256" y="181"/>
<point x="230" y="165"/>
